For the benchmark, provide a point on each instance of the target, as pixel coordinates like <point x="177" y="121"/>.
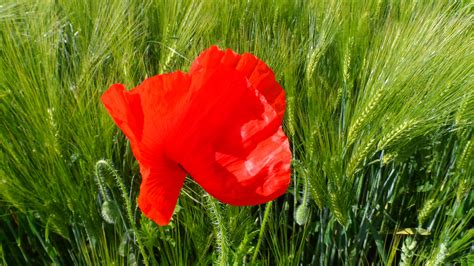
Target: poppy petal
<point x="148" y="115"/>
<point x="262" y="175"/>
<point x="255" y="70"/>
<point x="163" y="99"/>
<point x="236" y="149"/>
<point x="159" y="192"/>
<point x="126" y="112"/>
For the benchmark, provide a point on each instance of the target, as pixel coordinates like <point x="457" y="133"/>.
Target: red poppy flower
<point x="221" y="124"/>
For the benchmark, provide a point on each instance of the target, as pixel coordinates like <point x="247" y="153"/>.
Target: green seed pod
<point x="110" y="212"/>
<point x="132" y="260"/>
<point x="302" y="214"/>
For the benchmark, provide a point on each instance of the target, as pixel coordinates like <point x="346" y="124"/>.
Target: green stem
<point x="268" y="207"/>
<point x="128" y="204"/>
<point x="219" y="227"/>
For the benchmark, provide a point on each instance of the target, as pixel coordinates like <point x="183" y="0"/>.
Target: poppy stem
<point x="128" y="204"/>
<point x="220" y="231"/>
<point x="268" y="207"/>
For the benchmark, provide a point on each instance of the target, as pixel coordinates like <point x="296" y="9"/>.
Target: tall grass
<point x="380" y="116"/>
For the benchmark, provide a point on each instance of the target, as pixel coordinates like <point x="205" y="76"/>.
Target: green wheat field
<point x="380" y="117"/>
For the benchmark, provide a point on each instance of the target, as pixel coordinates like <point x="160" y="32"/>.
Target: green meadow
<point x="380" y="117"/>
